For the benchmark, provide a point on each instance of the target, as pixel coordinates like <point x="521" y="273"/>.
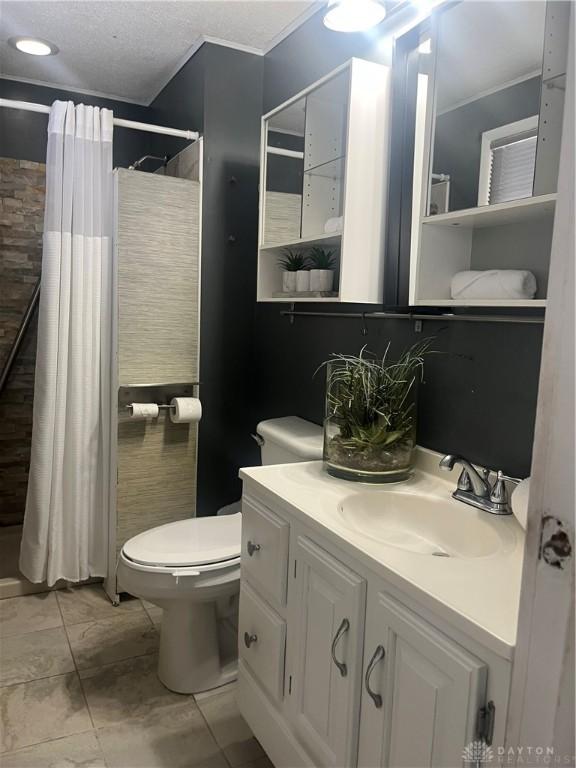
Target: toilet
<point x="189" y="567"/>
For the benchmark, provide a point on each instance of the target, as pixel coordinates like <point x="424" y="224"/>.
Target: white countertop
<point x="479" y="595"/>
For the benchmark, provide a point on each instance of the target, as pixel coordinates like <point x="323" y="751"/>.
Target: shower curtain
<point x="65" y="525"/>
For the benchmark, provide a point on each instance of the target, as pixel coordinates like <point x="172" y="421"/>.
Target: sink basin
<point x="425" y="524"/>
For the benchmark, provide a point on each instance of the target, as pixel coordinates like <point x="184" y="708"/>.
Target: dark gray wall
<point x="219" y="91"/>
<point x="479" y="397"/>
<point x="458" y="137"/>
<point x="23" y="134"/>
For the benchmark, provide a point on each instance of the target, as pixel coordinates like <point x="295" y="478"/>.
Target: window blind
<point x="512" y="162"/>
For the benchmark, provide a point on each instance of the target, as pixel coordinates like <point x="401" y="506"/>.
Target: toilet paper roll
<point x="186" y="410"/>
<point x="143" y="411"/>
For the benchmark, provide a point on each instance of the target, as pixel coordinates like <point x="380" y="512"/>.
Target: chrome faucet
<point x="474" y="488"/>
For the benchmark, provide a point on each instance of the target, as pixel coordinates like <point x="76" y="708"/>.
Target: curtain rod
<point x="28" y="106"/>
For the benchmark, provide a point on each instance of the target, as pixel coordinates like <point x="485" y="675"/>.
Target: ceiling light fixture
<point x="34" y="46"/>
<point x="353" y="15"/>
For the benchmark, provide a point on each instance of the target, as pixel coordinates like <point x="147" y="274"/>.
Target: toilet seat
<point x="199" y="543"/>
<point x="175" y="570"/>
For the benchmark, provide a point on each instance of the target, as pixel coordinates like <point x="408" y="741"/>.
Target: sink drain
<point x="440" y="554"/>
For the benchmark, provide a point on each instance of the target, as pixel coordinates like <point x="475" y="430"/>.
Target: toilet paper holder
<point x="160" y="394"/>
<point x="168" y="407"/>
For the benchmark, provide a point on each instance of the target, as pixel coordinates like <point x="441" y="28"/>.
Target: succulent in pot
<point x="322" y="264"/>
<point x="370" y="423"/>
<point x="292" y="262"/>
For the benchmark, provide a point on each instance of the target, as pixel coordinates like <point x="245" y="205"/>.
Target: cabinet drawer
<point x="265" y="551"/>
<point x="262" y="639"/>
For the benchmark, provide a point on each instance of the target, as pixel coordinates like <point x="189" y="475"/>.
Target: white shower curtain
<point x="65" y="525"/>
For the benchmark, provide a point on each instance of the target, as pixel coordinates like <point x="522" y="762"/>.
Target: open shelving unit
<point x="478" y="144"/>
<point x="324" y="155"/>
<point x="514" y="235"/>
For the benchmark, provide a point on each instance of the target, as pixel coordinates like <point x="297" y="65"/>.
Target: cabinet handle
<point x="344" y="627"/>
<point x="379" y="654"/>
<point x="249" y="639"/>
<point x="251" y="547"/>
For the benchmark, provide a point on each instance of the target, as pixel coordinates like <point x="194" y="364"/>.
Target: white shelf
<point x="330" y="239"/>
<point x="305" y="295"/>
<point x="496" y="215"/>
<point x="300" y="300"/>
<point x="524" y="303"/>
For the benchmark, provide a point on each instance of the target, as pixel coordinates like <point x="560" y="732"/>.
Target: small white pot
<point x="289" y="282"/>
<point x="302" y="280"/>
<point x="321" y="279"/>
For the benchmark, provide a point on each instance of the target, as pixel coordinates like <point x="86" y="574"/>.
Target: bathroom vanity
<point x="377" y="624"/>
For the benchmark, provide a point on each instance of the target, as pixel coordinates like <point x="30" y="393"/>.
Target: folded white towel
<point x="333" y="225"/>
<point x="494" y="284"/>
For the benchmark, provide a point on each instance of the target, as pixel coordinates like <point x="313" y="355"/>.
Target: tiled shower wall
<point x="21" y="223"/>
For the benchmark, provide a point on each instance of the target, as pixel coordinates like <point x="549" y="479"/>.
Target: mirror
<point x="305" y="160"/>
<point x="284" y="174"/>
<point x="488" y="91"/>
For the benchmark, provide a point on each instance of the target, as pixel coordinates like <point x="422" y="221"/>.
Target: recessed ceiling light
<point x="353" y="15"/>
<point x="34" y="46"/>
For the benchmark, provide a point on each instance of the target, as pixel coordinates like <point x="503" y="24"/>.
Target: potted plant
<point x="322" y="265"/>
<point x="370" y="424"/>
<point x="292" y="262"/>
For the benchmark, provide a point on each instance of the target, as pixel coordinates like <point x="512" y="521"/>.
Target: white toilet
<point x="187" y="566"/>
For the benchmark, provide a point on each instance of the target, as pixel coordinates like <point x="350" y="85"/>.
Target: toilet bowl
<point x="185" y="568"/>
<point x="190" y="567"/>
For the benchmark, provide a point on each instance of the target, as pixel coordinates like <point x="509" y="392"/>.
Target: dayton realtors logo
<point x="478" y="753"/>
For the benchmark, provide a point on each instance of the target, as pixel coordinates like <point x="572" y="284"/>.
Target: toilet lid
<point x="197" y="541"/>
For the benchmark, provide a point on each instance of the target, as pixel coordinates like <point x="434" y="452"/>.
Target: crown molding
<point x="73" y="89"/>
<point x="293" y="26"/>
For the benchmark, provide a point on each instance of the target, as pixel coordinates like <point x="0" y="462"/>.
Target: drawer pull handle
<point x="249" y="639"/>
<point x="378" y="656"/>
<point x="342" y="629"/>
<point x="251" y="547"/>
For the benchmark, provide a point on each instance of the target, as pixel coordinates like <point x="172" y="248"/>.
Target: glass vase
<point x="367" y="447"/>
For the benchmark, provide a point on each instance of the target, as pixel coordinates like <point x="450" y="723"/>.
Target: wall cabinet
<point x="323" y="183"/>
<point x="347" y="673"/>
<point x="487" y="143"/>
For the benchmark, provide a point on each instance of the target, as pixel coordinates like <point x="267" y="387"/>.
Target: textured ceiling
<point x="130" y="48"/>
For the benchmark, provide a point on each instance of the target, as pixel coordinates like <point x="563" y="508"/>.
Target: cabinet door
<point x="326" y="637"/>
<point x="421" y="691"/>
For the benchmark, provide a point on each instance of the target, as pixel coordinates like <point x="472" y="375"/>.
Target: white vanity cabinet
<point x="349" y="672"/>
<point x="326" y="618"/>
<point x="422" y="691"/>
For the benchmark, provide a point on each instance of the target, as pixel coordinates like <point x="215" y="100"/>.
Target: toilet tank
<point x="289" y="439"/>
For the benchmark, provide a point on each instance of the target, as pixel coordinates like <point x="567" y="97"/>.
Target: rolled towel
<point x="333" y="226"/>
<point x="519" y="501"/>
<point x="493" y="284"/>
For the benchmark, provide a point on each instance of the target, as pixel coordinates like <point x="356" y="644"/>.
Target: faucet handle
<point x="499" y="494"/>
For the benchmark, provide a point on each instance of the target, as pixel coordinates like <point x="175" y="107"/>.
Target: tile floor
<point x="78" y="689"/>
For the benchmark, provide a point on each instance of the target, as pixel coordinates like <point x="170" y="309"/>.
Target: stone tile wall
<point x="21" y="222"/>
